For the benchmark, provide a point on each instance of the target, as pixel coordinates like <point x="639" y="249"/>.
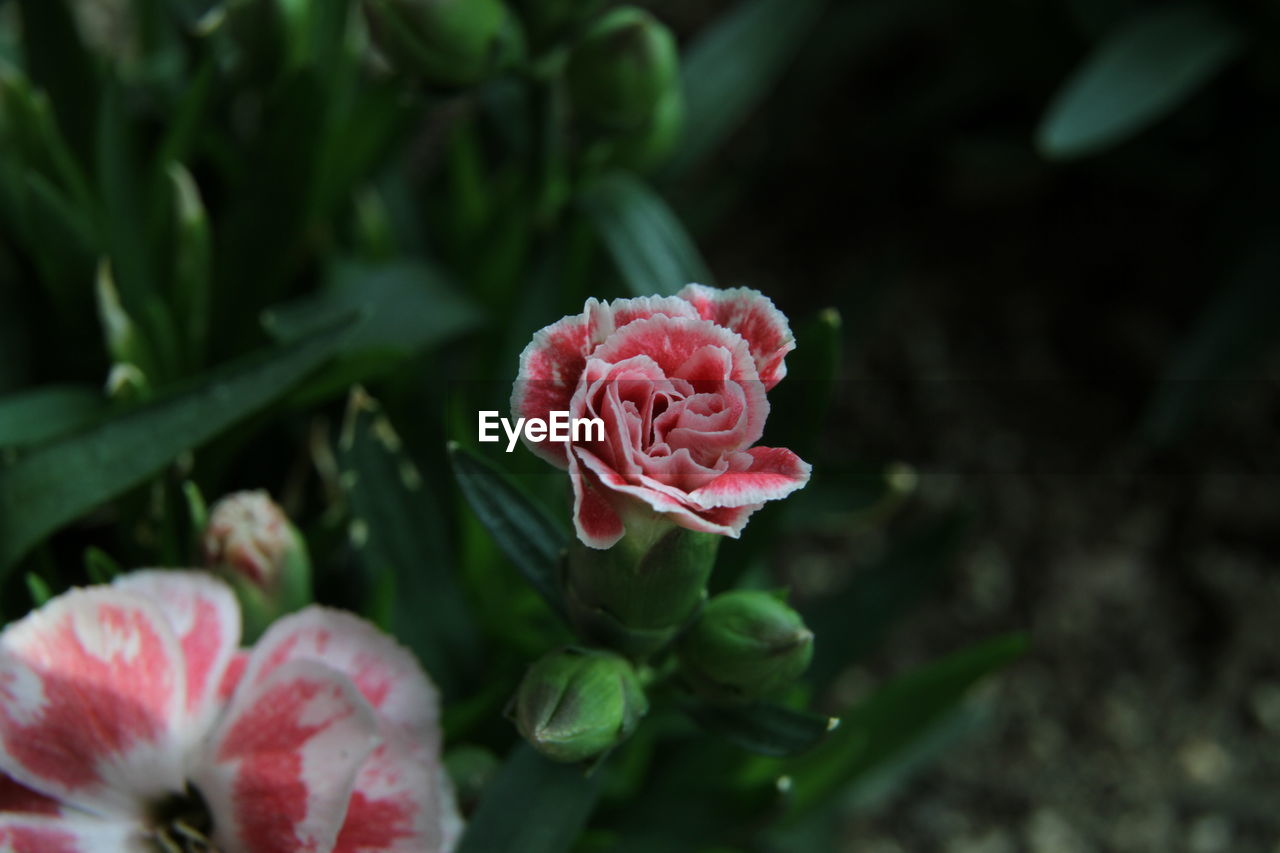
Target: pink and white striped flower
<point x="680" y="383"/>
<point x="131" y="721"/>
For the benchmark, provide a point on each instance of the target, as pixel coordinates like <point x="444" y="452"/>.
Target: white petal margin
<point x="205" y="617"/>
<point x="92" y="690"/>
<point x="33" y="834"/>
<point x="280" y="767"/>
<point x="385" y="673"/>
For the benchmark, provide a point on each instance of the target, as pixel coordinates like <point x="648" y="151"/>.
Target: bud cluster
<point x="620" y="67"/>
<point x="637" y="604"/>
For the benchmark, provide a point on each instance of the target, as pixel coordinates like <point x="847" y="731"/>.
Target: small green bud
<point x="623" y="67"/>
<point x="251" y="544"/>
<point x="575" y="704"/>
<point x="447" y="42"/>
<point x="745" y="644"/>
<point x="637" y="596"/>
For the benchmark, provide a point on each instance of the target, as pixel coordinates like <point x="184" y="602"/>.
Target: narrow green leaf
<point x="1142" y="71"/>
<point x="59" y="481"/>
<point x="522" y="529"/>
<point x="891" y="721"/>
<point x="197" y="508"/>
<point x="764" y="727"/>
<point x="1237" y="327"/>
<point x="533" y="805"/>
<point x="43" y="414"/>
<point x="649" y="245"/>
<point x="60" y="65"/>
<point x="39" y="589"/>
<point x="193" y="262"/>
<point x="853" y="621"/>
<point x="403" y="542"/>
<point x="407" y="306"/>
<point x="732" y="67"/>
<point x="99" y="566"/>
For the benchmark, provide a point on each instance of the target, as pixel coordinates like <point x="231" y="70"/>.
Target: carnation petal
<point x="596" y="522"/>
<point x="549" y="370"/>
<point x="402" y="802"/>
<point x="92" y="698"/>
<point x="386" y="674"/>
<point x="280" y="767"/>
<point x="37" y="834"/>
<point x="205" y="617"/>
<point x="657" y="498"/>
<point x="753" y="316"/>
<point x="775" y="472"/>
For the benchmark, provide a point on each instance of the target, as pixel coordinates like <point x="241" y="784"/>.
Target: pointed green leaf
<point x="1141" y="72"/>
<point x="893" y="719"/>
<point x="732" y="67"/>
<point x="42" y="414"/>
<point x="533" y="805"/>
<point x="852" y="621"/>
<point x="765" y="728"/>
<point x="649" y="245"/>
<point x="61" y="480"/>
<point x="522" y="529"/>
<point x="403" y="542"/>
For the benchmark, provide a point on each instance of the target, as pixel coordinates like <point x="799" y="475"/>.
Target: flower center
<point x="181" y="823"/>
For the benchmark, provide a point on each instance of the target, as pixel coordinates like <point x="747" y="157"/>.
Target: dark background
<point x="1082" y="354"/>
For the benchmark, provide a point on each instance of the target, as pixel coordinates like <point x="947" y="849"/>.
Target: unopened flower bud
<point x="745" y="644"/>
<point x="649" y="145"/>
<point x="575" y="704"/>
<point x="623" y="67"/>
<point x="447" y="42"/>
<point x="250" y="542"/>
<point x="637" y="596"/>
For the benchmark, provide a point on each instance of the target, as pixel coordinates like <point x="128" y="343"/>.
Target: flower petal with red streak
<point x="205" y="617"/>
<point x="595" y="520"/>
<point x="753" y="316"/>
<point x="775" y="472"/>
<point x="402" y="802"/>
<point x="386" y="674"/>
<point x="660" y="501"/>
<point x="552" y="363"/>
<point x="280" y="767"/>
<point x="92" y="695"/>
<point x="35" y="834"/>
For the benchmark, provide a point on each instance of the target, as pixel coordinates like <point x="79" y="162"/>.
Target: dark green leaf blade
<point x="730" y="69"/>
<point x="891" y="721"/>
<point x="1139" y="74"/>
<point x="649" y="245"/>
<point x="61" y="480"/>
<point x="42" y="414"/>
<point x="404" y="544"/>
<point x="765" y="728"/>
<point x="522" y="529"/>
<point x="854" y="620"/>
<point x="533" y="805"/>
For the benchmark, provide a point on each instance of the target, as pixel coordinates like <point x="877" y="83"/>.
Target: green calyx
<point x="745" y="644"/>
<point x="623" y="67"/>
<point x="638" y="595"/>
<point x="446" y="42"/>
<point x="576" y="704"/>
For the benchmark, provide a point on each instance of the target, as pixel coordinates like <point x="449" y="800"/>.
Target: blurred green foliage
<point x="297" y="245"/>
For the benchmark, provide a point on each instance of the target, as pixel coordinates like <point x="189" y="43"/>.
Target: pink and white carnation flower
<point x="680" y="384"/>
<point x="130" y="720"/>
